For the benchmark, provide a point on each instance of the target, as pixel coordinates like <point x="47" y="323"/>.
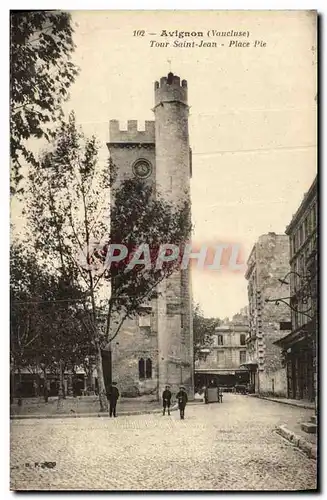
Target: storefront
<point x="300" y="360"/>
<point x="225" y="379"/>
<point x="253" y="376"/>
<point x="30" y="385"/>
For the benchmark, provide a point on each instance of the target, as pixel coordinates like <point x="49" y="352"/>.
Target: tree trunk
<point x="20" y="388"/>
<point x="101" y="385"/>
<point x="45" y="388"/>
<point x="61" y="385"/>
<point x="70" y="384"/>
<point x="12" y="383"/>
<point x="64" y="386"/>
<point x="38" y="385"/>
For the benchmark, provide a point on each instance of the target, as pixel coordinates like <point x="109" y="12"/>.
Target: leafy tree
<point x="37" y="301"/>
<point x="41" y="73"/>
<point x="68" y="210"/>
<point x="203" y="331"/>
<point x="71" y="342"/>
<point x="30" y="289"/>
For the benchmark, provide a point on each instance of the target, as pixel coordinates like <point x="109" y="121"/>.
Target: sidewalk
<point x="292" y="402"/>
<point x="295" y="435"/>
<point x="292" y="430"/>
<point x="83" y="407"/>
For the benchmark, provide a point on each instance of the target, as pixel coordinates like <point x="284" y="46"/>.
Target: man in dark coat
<point x="112" y="396"/>
<point x="182" y="399"/>
<point x="166" y="398"/>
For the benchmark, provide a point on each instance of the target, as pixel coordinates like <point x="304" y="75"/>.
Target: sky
<point x="252" y="117"/>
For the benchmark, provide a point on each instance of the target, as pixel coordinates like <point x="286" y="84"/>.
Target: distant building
<point x="267" y="264"/>
<point x="224" y="357"/>
<point x="299" y="347"/>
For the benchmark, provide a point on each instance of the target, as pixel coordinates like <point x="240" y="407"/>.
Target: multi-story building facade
<point x="156" y="348"/>
<point x="300" y="346"/>
<point x="224" y="356"/>
<point x="268" y="263"/>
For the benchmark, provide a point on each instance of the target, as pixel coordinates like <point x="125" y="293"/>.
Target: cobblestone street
<point x="229" y="446"/>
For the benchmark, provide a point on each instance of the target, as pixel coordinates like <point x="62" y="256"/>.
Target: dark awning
<point x="295" y="336"/>
<point x="249" y="365"/>
<point x="212" y="371"/>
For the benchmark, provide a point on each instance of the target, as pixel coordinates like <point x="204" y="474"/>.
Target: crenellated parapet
<point x="132" y="134"/>
<point x="169" y="89"/>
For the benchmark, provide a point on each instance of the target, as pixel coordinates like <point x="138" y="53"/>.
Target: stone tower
<point x="175" y="332"/>
<point x="161" y="155"/>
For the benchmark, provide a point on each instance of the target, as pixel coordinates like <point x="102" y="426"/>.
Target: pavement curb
<point x="83" y="415"/>
<point x="290" y="403"/>
<point x="308" y="448"/>
<point x="95" y="414"/>
<point x="86" y="415"/>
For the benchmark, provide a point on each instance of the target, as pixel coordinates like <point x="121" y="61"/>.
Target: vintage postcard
<point x="163" y="256"/>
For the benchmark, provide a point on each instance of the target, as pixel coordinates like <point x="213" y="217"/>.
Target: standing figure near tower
<point x="166" y="399"/>
<point x="182" y="399"/>
<point x="112" y="396"/>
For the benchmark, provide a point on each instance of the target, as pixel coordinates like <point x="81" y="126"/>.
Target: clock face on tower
<point x="142" y="168"/>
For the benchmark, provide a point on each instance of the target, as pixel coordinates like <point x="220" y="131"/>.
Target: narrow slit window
<point x="141" y="368"/>
<point x="148" y="371"/>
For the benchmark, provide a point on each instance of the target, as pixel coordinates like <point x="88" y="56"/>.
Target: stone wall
<point x="273" y="265"/>
<point x="273" y="383"/>
<point x="269" y="262"/>
<point x="123" y="158"/>
<point x="131" y="344"/>
<point x="132" y="134"/>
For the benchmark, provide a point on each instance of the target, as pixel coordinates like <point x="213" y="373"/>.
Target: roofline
<point x="251" y="253"/>
<point x="216" y="371"/>
<point x="233" y="328"/>
<point x="250" y="267"/>
<point x="308" y="197"/>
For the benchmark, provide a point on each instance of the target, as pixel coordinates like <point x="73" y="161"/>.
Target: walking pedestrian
<point x="182" y="399"/>
<point x="112" y="396"/>
<point x="166" y="398"/>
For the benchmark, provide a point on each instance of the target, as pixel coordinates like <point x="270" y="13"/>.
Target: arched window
<point x="148" y="369"/>
<point x="141" y="368"/>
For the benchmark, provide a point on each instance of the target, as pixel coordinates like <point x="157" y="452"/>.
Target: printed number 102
<point x="138" y="33"/>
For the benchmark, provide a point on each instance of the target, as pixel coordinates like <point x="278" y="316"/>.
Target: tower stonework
<point x="175" y="332"/>
<point x="167" y="338"/>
